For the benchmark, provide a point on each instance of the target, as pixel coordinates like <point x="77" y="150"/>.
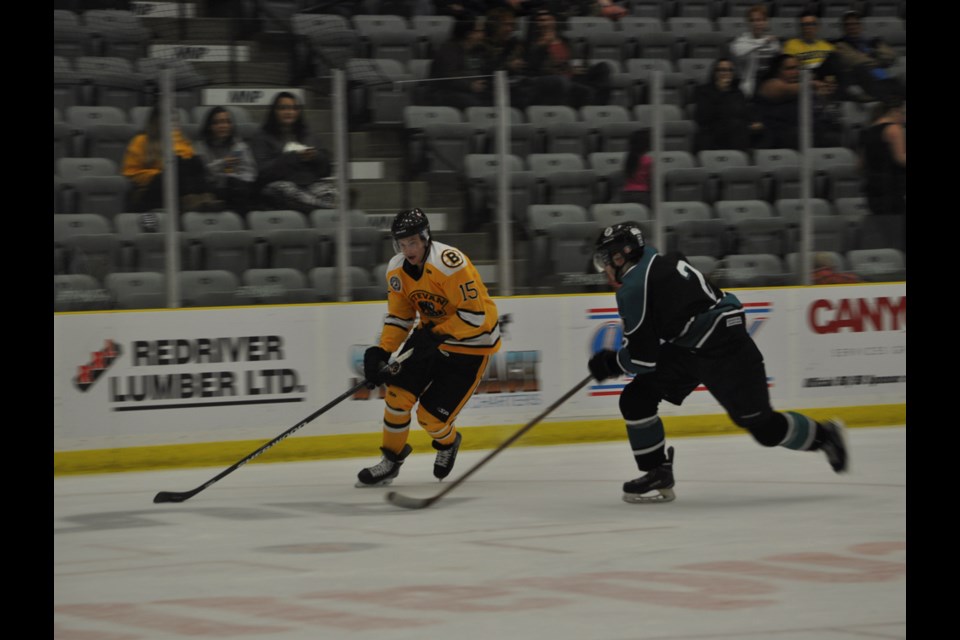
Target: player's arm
<point x="463" y="289"/>
<point x="400" y="319"/>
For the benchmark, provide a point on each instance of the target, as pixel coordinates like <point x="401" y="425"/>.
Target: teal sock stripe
<point x="800" y="431"/>
<point x="645" y="435"/>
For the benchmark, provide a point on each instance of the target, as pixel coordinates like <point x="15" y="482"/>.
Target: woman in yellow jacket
<point x="143" y="165"/>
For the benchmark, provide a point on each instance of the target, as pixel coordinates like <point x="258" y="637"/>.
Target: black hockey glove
<point x="424" y="343"/>
<point x="603" y="365"/>
<point x="374" y="360"/>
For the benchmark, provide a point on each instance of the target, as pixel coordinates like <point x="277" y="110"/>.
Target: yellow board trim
<point x="328" y="447"/>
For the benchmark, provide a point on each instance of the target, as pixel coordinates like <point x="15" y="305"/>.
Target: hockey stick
<point x="422" y="503"/>
<point x="180" y="496"/>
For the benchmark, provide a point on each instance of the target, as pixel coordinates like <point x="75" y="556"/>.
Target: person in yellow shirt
<point x="143" y="166"/>
<point x="435" y="288"/>
<point x="810" y="49"/>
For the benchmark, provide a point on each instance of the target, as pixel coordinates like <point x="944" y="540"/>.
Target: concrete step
<point x="379" y="194"/>
<point x="267" y="74"/>
<point x="391" y="169"/>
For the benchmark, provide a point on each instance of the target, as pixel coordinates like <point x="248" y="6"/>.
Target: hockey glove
<point x="604" y="364"/>
<point x="424" y="342"/>
<point x="374" y="360"/>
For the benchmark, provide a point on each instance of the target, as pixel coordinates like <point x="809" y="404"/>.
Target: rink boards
<point x="189" y="387"/>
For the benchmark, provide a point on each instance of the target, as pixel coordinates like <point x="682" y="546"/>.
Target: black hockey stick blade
<point x="407" y="502"/>
<point x="181" y="496"/>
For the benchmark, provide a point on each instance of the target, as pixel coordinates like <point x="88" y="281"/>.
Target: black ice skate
<point x="383" y="473"/>
<point x="446" y="456"/>
<point x="834" y="444"/>
<point x="655" y="486"/>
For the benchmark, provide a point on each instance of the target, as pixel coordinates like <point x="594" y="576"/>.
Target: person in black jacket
<point x="725" y="118"/>
<point x="293" y="167"/>
<point x="459" y="69"/>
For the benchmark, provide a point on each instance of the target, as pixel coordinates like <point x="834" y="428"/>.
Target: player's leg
<point x="455" y="378"/>
<point x="639" y="404"/>
<point x="732" y="369"/>
<point x="402" y="394"/>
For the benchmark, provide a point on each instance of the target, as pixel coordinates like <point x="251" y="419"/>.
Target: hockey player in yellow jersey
<point x="435" y="290"/>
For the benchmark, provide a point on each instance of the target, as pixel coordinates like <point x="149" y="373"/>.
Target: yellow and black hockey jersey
<point x="449" y="294"/>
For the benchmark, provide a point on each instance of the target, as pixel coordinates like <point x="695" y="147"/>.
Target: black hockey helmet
<point x="624" y="239"/>
<point x="410" y="223"/>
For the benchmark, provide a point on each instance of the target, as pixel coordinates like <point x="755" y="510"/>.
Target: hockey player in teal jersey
<point x="680" y="331"/>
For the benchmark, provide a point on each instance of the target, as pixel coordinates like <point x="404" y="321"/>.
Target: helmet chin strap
<point x="623" y="269"/>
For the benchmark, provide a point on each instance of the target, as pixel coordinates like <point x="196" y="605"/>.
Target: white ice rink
<point x="760" y="544"/>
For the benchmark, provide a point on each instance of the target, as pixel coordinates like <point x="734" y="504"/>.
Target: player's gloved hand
<point x="424" y="342"/>
<point x="374" y="360"/>
<point x="603" y="365"/>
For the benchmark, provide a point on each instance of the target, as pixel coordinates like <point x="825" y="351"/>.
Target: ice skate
<point x="655" y="486"/>
<point x="383" y="473"/>
<point x="834" y="444"/>
<point x="446" y="456"/>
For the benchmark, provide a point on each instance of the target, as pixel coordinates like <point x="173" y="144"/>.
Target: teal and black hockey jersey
<point x="665" y="299"/>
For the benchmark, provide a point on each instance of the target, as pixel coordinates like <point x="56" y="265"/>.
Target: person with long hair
<point x="143" y="165"/>
<point x="293" y="167"/>
<point x="725" y="118"/>
<point x="457" y="68"/>
<point x="777" y="100"/>
<point x="228" y="158"/>
<point x="550" y="55"/>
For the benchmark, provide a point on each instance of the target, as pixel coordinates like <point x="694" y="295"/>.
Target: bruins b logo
<point x="451" y="258"/>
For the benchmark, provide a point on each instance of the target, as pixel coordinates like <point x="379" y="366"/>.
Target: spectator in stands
<point x="461" y="10"/>
<point x="725" y="118"/>
<point x="778" y="103"/>
<point x="864" y="64"/>
<point x="591" y="8"/>
<point x="550" y="54"/>
<point x="811" y="50"/>
<point x="461" y="60"/>
<point x="229" y="161"/>
<point x="884" y="159"/>
<point x="293" y="168"/>
<point x="825" y="271"/>
<point x="638" y="169"/>
<point x="143" y="165"/>
<point x="507" y="51"/>
<point x="827" y="113"/>
<point x="752" y="51"/>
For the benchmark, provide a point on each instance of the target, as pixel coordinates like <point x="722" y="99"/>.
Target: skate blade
<point x="664" y="495"/>
<point x="841" y="429"/>
<point x="382" y="483"/>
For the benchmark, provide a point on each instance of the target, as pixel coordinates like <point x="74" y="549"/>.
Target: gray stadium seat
<point x="751" y="270"/>
<point x="79" y="292"/>
<point x="878" y="265"/>
<point x="561" y="128"/>
<point x="277" y="286"/>
<point x="204" y="288"/>
<point x="137" y="290"/>
<point x="361" y="286"/>
<point x="116" y="32"/>
<point x="565" y="177"/>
